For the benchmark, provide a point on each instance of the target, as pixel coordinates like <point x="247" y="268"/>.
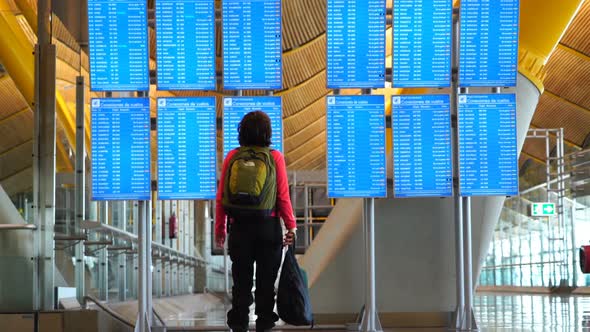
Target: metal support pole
<point x="148" y="262"/>
<point x="458" y="203"/>
<point x="121" y="258"/>
<point x="370" y="322"/>
<point x="468" y="266"/>
<point x="168" y="276"/>
<point x="80" y="187"/>
<point x="158" y="263"/>
<point x="103" y="262"/>
<point x="561" y="206"/>
<point x="44" y="140"/>
<point x="510" y="255"/>
<point x="459" y="261"/>
<point x="175" y="276"/>
<point x="551" y="235"/>
<point x="136" y="276"/>
<point x="306" y="216"/>
<point x="226" y="268"/>
<point x="142" y="323"/>
<point x="574" y="249"/>
<point x="294" y="193"/>
<point x="165" y="237"/>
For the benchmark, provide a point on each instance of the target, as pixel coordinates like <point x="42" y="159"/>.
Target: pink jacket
<point x="283" y="198"/>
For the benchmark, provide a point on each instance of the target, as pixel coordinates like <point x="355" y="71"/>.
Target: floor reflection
<point x="519" y="312"/>
<point x="494" y="312"/>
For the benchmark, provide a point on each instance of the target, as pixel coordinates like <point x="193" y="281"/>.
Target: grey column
<point x="121" y="257"/>
<point x="148" y="261"/>
<point x="140" y="324"/>
<point x="468" y="266"/>
<point x="157" y="259"/>
<point x="202" y="240"/>
<point x="135" y="276"/>
<point x="44" y="157"/>
<point x="80" y="187"/>
<point x="103" y="262"/>
<point x="166" y="242"/>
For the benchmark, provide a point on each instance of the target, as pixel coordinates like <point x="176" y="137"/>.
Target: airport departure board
<point x="185" y="44"/>
<point x="187" y="148"/>
<point x="356" y="146"/>
<point x="422" y="153"/>
<point x="488" y="156"/>
<point x="252" y="48"/>
<point x="120" y="148"/>
<point x="422" y="38"/>
<point x="356" y="44"/>
<point x="234" y="109"/>
<point x="118" y="34"/>
<point x="488" y="51"/>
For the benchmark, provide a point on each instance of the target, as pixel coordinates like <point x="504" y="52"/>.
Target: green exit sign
<point x="542" y="209"/>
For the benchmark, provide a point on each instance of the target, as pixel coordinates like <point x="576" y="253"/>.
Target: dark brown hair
<point x="255" y="130"/>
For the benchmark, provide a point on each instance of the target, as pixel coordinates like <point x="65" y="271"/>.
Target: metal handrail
<point x="59" y="237"/>
<point x="16" y="227"/>
<point x="503" y="266"/>
<point x="108" y="310"/>
<point x="116" y="315"/>
<point x="159" y="317"/>
<point x="103" y="228"/>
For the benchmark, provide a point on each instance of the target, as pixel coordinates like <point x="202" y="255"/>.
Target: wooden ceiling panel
<point x="11" y="100"/>
<point x="66" y="73"/>
<point x="578" y="33"/>
<point x="16" y="130"/>
<point x="318" y="164"/>
<point x="568" y="76"/>
<point x="553" y="112"/>
<point x="297" y="98"/>
<point x="302" y="149"/>
<point x="307" y="133"/>
<point x="312" y="154"/>
<point x="20" y="182"/>
<point x="304" y="62"/>
<point x="535" y="147"/>
<point x="303" y="21"/>
<point x="15" y="160"/>
<point x="68" y="55"/>
<point x="296" y="122"/>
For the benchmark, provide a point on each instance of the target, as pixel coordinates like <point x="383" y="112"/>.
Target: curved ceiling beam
<point x="542" y="24"/>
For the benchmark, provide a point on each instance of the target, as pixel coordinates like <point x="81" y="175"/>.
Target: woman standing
<point x="255" y="234"/>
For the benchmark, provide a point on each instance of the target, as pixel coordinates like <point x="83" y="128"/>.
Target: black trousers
<point x="253" y="241"/>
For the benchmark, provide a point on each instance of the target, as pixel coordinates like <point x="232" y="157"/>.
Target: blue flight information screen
<point x="422" y="37"/>
<point x="488" y="52"/>
<point x="252" y="47"/>
<point x="185" y="44"/>
<point x="187" y="148"/>
<point x="120" y="149"/>
<point x="422" y="159"/>
<point x="488" y="156"/>
<point x="356" y="43"/>
<point x="356" y="146"/>
<point x="235" y="108"/>
<point x="118" y="34"/>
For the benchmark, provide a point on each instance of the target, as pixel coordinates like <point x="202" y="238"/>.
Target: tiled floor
<point x="494" y="313"/>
